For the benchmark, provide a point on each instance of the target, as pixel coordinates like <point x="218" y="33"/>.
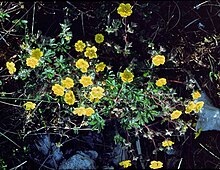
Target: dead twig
<point x="209" y="151"/>
<point x="19" y="165"/>
<point x="9" y="139"/>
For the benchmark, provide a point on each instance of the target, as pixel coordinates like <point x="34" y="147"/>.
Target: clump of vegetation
<point x="69" y="84"/>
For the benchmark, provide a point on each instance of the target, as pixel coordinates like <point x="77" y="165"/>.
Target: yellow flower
<point x="91" y="52"/>
<point x="36" y="53"/>
<point x="83" y="65"/>
<point x="124" y="10"/>
<point x="67" y="83"/>
<point x="176" y="114"/>
<point x="58" y="90"/>
<point x="100" y="67"/>
<point x="160" y="82"/>
<point x="127" y="76"/>
<point x="69" y="97"/>
<point x="79" y="111"/>
<point x="29" y="105"/>
<point x="125" y="163"/>
<point x="198" y="106"/>
<point x="86" y="81"/>
<point x="79" y="46"/>
<point x="190" y="107"/>
<point x="32" y="62"/>
<point x="167" y="143"/>
<point x="99" y="38"/>
<point x="92" y="99"/>
<point x="11" y="67"/>
<point x="156" y="164"/>
<point x="196" y="95"/>
<point x="158" y="59"/>
<point x="89" y="111"/>
<point x="96" y="93"/>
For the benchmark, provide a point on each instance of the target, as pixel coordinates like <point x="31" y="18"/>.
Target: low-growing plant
<point x="66" y="85"/>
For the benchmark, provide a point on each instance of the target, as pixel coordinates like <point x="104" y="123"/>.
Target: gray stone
<point x="78" y="161"/>
<point x="209" y="116"/>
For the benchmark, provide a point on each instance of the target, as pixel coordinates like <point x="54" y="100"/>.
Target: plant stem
<point x="11" y="98"/>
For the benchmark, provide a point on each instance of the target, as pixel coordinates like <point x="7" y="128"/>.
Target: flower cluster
<point x="32" y="61"/>
<point x="59" y="90"/>
<point x="194" y="106"/>
<point x="11" y="67"/>
<point x="83" y="111"/>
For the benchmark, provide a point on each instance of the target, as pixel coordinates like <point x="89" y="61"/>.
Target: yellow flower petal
<point x="86" y="81"/>
<point x="175" y="114"/>
<point x="68" y="83"/>
<point x="167" y="143"/>
<point x="160" y="82"/>
<point x="100" y="67"/>
<point x="32" y="62"/>
<point x="199" y="106"/>
<point x="82" y="64"/>
<point x="58" y="90"/>
<point x="91" y="52"/>
<point x="69" y="97"/>
<point x="158" y="60"/>
<point x="29" y="106"/>
<point x="190" y="107"/>
<point x="96" y="93"/>
<point x="196" y="95"/>
<point x="127" y="76"/>
<point x="79" y="46"/>
<point x="99" y="38"/>
<point x="79" y="111"/>
<point x="11" y="67"/>
<point x="124" y="10"/>
<point x="36" y="53"/>
<point x="89" y="111"/>
<point x="125" y="163"/>
<point x="156" y="164"/>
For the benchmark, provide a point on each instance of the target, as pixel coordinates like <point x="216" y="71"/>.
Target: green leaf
<point x="198" y="133"/>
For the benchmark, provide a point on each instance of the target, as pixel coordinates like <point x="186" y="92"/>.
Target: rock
<point x="47" y="150"/>
<point x="119" y="154"/>
<point x="209" y="116"/>
<point x="80" y="161"/>
<point x="92" y="154"/>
